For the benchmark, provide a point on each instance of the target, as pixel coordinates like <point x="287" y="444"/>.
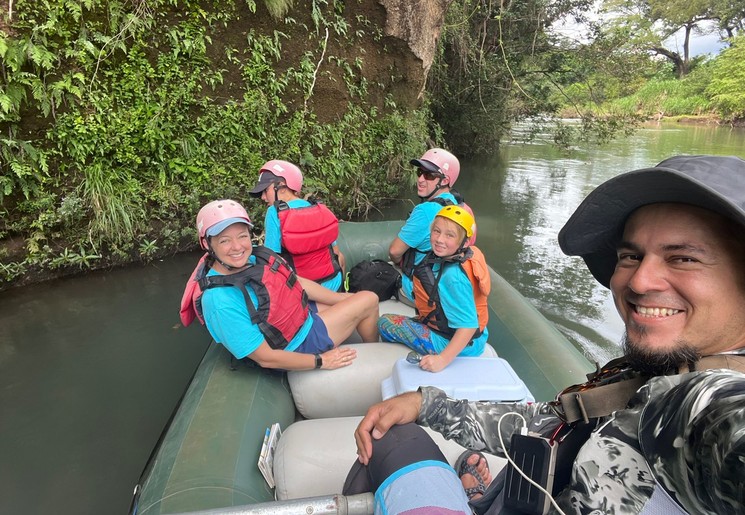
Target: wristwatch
<point x="319" y="361"/>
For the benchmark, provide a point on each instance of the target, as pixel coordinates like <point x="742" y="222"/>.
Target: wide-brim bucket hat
<point x="716" y="183"/>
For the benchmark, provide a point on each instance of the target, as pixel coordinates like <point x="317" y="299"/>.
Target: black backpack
<point x="377" y="276"/>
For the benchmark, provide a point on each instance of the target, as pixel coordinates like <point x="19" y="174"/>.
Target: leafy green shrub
<point x="727" y="86"/>
<point x="668" y="97"/>
<point x="119" y="119"/>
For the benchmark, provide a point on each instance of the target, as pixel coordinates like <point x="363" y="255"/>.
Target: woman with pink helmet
<point x="257" y="307"/>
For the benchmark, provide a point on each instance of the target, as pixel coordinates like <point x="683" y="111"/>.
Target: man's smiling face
<point x="678" y="284"/>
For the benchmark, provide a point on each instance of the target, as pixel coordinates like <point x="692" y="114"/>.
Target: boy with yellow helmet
<point x="451" y="285"/>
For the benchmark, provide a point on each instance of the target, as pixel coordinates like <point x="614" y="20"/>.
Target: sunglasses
<point x="429" y="176"/>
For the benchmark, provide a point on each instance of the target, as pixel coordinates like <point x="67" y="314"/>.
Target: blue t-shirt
<point x="228" y="321"/>
<point x="415" y="233"/>
<point x="456" y="299"/>
<point x="273" y="236"/>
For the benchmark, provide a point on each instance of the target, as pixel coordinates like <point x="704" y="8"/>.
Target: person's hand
<point x="338" y="357"/>
<point x="433" y="362"/>
<point x="401" y="409"/>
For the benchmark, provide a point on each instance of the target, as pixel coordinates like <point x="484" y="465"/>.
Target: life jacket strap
<point x="599" y="401"/>
<point x="595" y="399"/>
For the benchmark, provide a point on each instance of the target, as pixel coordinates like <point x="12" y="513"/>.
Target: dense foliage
<point x="492" y="68"/>
<point x="120" y="118"/>
<point x="500" y="62"/>
<point x="624" y="77"/>
<point x="504" y="61"/>
<point x="727" y="85"/>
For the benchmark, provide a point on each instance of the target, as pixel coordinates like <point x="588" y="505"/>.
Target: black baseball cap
<point x="266" y="179"/>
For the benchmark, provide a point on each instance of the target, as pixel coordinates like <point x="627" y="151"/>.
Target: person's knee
<point x="401" y="446"/>
<point x="368" y="302"/>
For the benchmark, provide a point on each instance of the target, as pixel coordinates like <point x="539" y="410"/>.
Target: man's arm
<point x="397" y="249"/>
<point x="474" y="424"/>
<point x="471" y="424"/>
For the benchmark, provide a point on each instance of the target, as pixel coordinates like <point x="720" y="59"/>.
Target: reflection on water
<point x="524" y="197"/>
<point x="91" y="367"/>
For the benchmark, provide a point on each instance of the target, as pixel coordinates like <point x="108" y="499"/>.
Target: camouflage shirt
<point x="684" y="432"/>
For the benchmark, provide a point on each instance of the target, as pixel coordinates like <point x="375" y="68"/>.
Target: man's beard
<point x="658" y="363"/>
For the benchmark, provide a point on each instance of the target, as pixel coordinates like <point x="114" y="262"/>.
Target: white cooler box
<point x="475" y="379"/>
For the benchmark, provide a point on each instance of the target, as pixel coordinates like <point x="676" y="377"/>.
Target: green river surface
<point x="91" y="367"/>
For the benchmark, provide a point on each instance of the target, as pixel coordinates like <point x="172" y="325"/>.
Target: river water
<point x="91" y="367"/>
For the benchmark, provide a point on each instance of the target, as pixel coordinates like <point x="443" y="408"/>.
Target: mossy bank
<point x="120" y="118"/>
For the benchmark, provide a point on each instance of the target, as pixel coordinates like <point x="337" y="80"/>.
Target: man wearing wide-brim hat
<point x="659" y="430"/>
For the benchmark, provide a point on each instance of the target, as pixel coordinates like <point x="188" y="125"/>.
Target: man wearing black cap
<point x="659" y="430"/>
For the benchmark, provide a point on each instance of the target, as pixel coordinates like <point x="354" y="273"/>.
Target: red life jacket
<point x="427" y="297"/>
<point x="409" y="257"/>
<point x="283" y="303"/>
<point x="308" y="234"/>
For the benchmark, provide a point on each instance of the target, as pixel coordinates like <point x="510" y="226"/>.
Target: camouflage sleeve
<point x="693" y="439"/>
<point x="474" y="424"/>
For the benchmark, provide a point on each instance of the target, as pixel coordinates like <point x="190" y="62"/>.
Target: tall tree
<point x="730" y="16"/>
<point x="650" y="24"/>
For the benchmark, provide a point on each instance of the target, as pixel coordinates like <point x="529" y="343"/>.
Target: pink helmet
<point x="289" y="172"/>
<point x="214" y="217"/>
<point x="439" y="160"/>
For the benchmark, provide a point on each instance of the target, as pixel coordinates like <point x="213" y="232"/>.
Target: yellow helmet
<point x="460" y="216"/>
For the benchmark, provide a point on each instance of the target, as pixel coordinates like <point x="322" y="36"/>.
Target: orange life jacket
<point x="427" y="297"/>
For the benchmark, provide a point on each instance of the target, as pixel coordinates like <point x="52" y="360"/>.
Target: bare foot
<point x="470" y="482"/>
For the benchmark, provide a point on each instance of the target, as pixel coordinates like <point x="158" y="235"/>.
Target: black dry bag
<point x="377" y="276"/>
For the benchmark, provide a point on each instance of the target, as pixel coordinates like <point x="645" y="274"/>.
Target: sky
<point x="706" y="44"/>
<point x="699" y="44"/>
